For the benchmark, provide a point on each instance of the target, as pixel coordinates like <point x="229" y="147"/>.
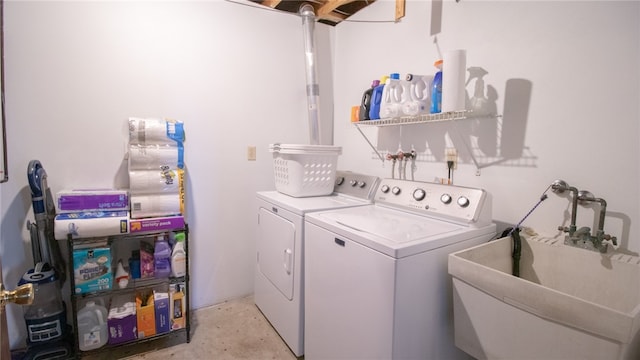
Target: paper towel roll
<point x="143" y="206"/>
<point x="155" y="157"/>
<point x="169" y="181"/>
<point x="91" y="224"/>
<point x="454" y="64"/>
<point x="155" y="131"/>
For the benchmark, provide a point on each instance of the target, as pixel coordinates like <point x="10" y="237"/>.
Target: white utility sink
<point x="568" y="303"/>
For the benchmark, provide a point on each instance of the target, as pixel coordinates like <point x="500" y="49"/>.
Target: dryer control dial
<point x="339" y="180"/>
<point x="353" y="182"/>
<point x="361" y="184"/>
<point x="463" y="201"/>
<point x="419" y="194"/>
<point x="445" y="198"/>
<point x="384" y="188"/>
<point x="396" y="190"/>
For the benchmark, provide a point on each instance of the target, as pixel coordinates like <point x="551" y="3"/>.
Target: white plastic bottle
<point x="179" y="257"/>
<point x="92" y="326"/>
<point x="392" y="94"/>
<point x="419" y="94"/>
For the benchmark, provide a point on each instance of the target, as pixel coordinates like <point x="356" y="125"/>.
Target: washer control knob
<point x="339" y="180"/>
<point x="361" y="184"/>
<point x="385" y="188"/>
<point x="353" y="182"/>
<point x="463" y="201"/>
<point x="395" y="190"/>
<point x="445" y="198"/>
<point x="419" y="194"/>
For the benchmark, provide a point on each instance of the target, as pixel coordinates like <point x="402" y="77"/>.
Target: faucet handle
<point x="613" y="239"/>
<point x="563" y="228"/>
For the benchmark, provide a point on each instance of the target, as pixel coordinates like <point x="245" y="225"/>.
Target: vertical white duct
<point x="313" y="90"/>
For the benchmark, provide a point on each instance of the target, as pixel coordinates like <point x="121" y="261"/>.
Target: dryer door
<point x="276" y="241"/>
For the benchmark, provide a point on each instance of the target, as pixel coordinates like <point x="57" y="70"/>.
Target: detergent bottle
<point x="436" y="89"/>
<point x="392" y="95"/>
<point x="92" y="326"/>
<point x="162" y="257"/>
<point x="376" y="99"/>
<point x="419" y="94"/>
<point x="365" y="106"/>
<point x="179" y="257"/>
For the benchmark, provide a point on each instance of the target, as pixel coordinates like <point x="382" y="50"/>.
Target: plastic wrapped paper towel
<point x="143" y="131"/>
<point x="164" y="181"/>
<point x="454" y="70"/>
<point x="155" y="205"/>
<point x="156" y="157"/>
<point x="91" y="224"/>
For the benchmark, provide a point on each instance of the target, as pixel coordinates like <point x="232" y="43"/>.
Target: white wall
<point x="581" y="60"/>
<point x="235" y="75"/>
<point x="75" y="71"/>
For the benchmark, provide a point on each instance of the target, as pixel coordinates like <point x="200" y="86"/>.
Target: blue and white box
<point x="92" y="269"/>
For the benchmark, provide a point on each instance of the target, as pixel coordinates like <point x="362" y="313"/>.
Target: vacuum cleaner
<point x="46" y="316"/>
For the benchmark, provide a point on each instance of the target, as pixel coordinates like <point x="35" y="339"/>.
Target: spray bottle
<point x="436" y="89"/>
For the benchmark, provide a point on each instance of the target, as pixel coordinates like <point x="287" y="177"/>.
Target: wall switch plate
<point x="251" y="153"/>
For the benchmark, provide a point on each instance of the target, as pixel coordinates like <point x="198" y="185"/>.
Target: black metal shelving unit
<point x="149" y="343"/>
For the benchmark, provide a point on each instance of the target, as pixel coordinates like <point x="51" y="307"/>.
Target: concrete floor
<point x="231" y="330"/>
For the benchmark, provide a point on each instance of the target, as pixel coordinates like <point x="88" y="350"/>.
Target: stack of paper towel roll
<point x="156" y="167"/>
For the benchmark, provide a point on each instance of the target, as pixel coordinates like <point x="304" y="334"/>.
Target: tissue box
<point x="122" y="321"/>
<point x="145" y="314"/>
<point x="92" y="269"/>
<point x="161" y="303"/>
<point x="92" y="200"/>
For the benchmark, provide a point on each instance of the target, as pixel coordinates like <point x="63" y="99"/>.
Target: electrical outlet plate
<point x="451" y="154"/>
<point x="251" y="153"/>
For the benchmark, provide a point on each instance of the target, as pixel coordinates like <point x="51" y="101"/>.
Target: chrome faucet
<point x="558" y="187"/>
<point x="582" y="237"/>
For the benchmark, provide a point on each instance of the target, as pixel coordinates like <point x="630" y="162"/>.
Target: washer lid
<point x="394" y="226"/>
<point x="393" y="232"/>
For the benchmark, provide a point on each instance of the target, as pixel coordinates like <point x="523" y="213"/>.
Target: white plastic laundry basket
<point x="304" y="170"/>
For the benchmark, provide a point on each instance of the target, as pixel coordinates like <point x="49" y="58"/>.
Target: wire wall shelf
<point x="417" y="119"/>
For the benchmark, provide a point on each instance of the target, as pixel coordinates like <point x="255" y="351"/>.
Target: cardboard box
<point x="145" y="314"/>
<point x="92" y="269"/>
<point x="161" y="303"/>
<point x="122" y="320"/>
<point x="156" y="224"/>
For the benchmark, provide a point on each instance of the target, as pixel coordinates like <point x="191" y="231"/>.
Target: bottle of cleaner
<point x="179" y="257"/>
<point x="390" y="105"/>
<point x="92" y="326"/>
<point x="436" y="89"/>
<point x="177" y="307"/>
<point x="162" y="257"/>
<point x="376" y="99"/>
<point x="419" y="94"/>
<point x="365" y="106"/>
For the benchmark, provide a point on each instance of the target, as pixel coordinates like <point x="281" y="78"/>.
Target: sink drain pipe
<point x="307" y="13"/>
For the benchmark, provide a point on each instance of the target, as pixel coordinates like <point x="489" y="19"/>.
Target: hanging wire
<point x="543" y="197"/>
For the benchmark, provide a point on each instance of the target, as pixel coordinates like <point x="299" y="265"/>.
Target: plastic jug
<point x="419" y="94"/>
<point x="92" y="326"/>
<point x="162" y="257"/>
<point x="436" y="89"/>
<point x="392" y="96"/>
<point x="376" y="99"/>
<point x="179" y="257"/>
<point x="365" y="105"/>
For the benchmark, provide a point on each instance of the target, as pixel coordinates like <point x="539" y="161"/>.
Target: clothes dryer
<point x="376" y="281"/>
<point x="279" y="276"/>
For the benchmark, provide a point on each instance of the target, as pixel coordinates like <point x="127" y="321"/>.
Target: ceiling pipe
<point x="307" y="13"/>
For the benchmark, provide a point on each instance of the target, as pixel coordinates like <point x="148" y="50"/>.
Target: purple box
<point x="161" y="301"/>
<point x="92" y="200"/>
<point x="122" y="321"/>
<point x="156" y="224"/>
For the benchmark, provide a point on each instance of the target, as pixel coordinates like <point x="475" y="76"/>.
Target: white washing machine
<point x="279" y="277"/>
<point x="376" y="282"/>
